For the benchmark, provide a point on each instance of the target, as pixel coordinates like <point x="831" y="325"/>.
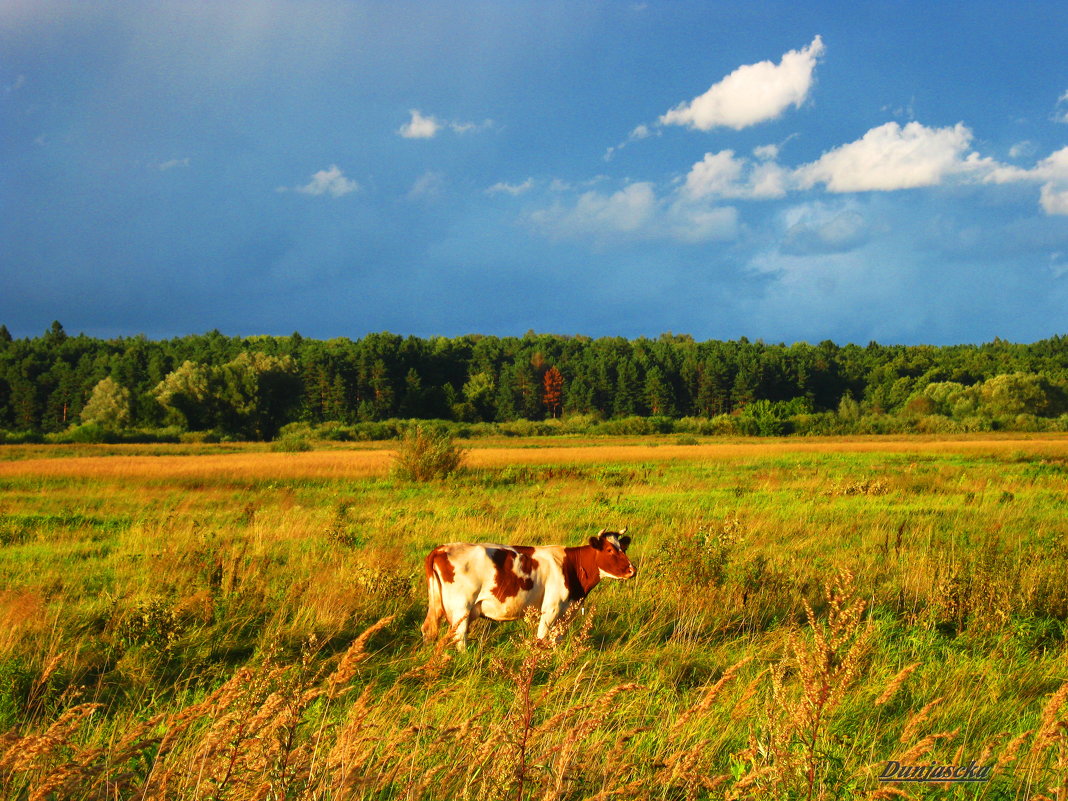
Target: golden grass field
<point x="366" y="461"/>
<point x="200" y="622"/>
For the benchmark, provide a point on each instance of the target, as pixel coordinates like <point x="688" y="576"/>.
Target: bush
<point x="578" y="423"/>
<point x="627" y="427"/>
<point x="722" y="425"/>
<point x="291" y="443"/>
<point x="21" y="438"/>
<point x="84" y="434"/>
<point x="426" y="454"/>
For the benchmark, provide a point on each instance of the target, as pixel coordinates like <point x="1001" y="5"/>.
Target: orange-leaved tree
<point x="553" y="397"/>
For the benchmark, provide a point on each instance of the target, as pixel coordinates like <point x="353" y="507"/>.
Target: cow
<point x="467" y="581"/>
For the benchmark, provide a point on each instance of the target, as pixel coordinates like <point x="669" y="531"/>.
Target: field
<point x="228" y="622"/>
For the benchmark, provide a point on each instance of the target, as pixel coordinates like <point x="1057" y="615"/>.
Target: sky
<point x="784" y="171"/>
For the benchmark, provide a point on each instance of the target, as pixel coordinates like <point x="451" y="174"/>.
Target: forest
<point x="59" y="387"/>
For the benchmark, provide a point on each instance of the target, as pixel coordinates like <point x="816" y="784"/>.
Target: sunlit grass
<point x="143" y="583"/>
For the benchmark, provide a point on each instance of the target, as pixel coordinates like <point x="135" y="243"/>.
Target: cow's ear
<point x="624" y="542"/>
<point x="596" y="542"/>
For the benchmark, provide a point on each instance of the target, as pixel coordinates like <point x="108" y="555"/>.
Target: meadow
<point x="231" y="622"/>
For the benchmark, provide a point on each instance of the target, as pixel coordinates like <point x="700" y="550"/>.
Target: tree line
<point x="252" y="387"/>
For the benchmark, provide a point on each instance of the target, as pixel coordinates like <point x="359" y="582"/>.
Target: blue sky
<point x="785" y="171"/>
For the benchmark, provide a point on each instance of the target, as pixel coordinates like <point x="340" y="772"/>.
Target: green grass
<point x="145" y="596"/>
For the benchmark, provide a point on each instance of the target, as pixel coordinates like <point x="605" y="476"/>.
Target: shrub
<point x="722" y="425"/>
<point x="426" y="454"/>
<point x="20" y="437"/>
<point x="291" y="443"/>
<point x="84" y="434"/>
<point x="627" y="426"/>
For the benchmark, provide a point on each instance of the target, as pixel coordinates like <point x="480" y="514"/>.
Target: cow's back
<point x="493" y="580"/>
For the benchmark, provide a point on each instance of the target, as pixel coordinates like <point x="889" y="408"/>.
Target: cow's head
<point x="610" y="548"/>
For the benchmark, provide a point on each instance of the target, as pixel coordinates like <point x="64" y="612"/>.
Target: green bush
<point x="87" y="433"/>
<point x="627" y="426"/>
<point x="20" y="438"/>
<point x="427" y="453"/>
<point x="291" y="443"/>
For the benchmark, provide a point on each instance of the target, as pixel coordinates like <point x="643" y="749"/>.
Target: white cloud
<point x="421" y="126"/>
<point x="715" y="174"/>
<point x="1054" y="199"/>
<point x="766" y="152"/>
<point x="511" y="189"/>
<point x="892" y="157"/>
<point x="330" y="181"/>
<point x="1054" y="194"/>
<point x="751" y="94"/>
<point x="723" y="175"/>
<point x="1051" y="172"/>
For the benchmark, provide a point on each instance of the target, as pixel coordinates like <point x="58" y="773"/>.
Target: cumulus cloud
<point x="766" y="152"/>
<point x="331" y="181"/>
<point x="723" y="175"/>
<point x="511" y="189"/>
<point x="1051" y="172"/>
<point x="1054" y="195"/>
<point x="421" y="126"/>
<point x="892" y="157"/>
<point x="751" y="94"/>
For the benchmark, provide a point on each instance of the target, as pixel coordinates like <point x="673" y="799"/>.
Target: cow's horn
<point x="623" y="531"/>
<point x="602" y="532"/>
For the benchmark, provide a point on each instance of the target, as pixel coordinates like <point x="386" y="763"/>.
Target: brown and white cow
<point x="467" y="581"/>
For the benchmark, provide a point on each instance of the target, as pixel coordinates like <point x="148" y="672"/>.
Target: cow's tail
<point x="435" y="607"/>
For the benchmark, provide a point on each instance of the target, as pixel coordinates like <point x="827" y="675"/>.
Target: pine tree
<point x="553" y="396"/>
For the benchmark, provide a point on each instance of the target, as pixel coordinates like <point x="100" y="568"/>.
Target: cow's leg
<point x="460" y="616"/>
<point x="550" y="612"/>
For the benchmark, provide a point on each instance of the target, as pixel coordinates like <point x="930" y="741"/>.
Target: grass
<point x="242" y="623"/>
